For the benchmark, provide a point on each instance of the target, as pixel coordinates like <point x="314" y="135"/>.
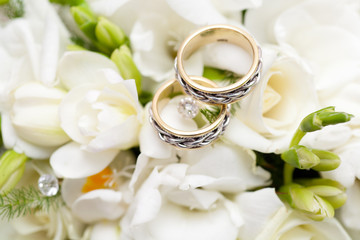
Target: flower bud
<point x="330" y="190"/>
<point x="12" y="166"/>
<point x="123" y="59"/>
<point x="109" y="34"/>
<point x="300" y="157"/>
<point x="85" y="19"/>
<point x="301" y="198"/>
<point x="328" y="160"/>
<point x="324" y="117"/>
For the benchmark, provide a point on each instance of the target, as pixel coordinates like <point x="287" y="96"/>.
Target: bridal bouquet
<point x="80" y="159"/>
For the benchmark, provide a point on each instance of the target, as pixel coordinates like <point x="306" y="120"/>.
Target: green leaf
<point x="24" y="201"/>
<point x="211" y="113"/>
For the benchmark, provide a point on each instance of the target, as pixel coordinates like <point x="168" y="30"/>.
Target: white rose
<point x="267" y="118"/>
<point x="266" y="217"/>
<point x="326" y="34"/>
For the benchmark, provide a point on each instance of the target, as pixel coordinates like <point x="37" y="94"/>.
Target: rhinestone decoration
<point x="48" y="185"/>
<point x="188" y="107"/>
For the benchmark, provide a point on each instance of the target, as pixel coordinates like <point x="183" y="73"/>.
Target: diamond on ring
<point x="188" y="107"/>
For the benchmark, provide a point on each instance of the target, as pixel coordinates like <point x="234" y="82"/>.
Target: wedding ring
<point x="224" y="34"/>
<point x="186" y="139"/>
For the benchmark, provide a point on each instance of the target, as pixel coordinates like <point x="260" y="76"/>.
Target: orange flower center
<point x="101" y="180"/>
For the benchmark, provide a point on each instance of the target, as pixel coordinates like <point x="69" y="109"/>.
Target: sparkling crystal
<point x="188" y="107"/>
<point x="48" y="185"/>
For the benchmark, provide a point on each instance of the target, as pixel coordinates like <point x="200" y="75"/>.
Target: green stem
<point x="297" y="137"/>
<point x="288" y="173"/>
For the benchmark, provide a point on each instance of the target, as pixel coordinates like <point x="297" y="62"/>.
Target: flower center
<point x="101" y="180"/>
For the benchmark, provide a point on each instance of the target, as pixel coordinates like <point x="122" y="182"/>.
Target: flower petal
<point x="104" y="204"/>
<point x="123" y="136"/>
<point x="257" y="208"/>
<point x="150" y="143"/>
<point x="81" y="67"/>
<point x="200" y="12"/>
<point x="13" y="141"/>
<point x="70" y="161"/>
<point x="71" y="189"/>
<point x="236" y="166"/>
<point x="178" y="223"/>
<point x="105" y="230"/>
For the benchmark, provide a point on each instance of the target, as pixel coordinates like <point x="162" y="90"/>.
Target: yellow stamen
<point x="100" y="180"/>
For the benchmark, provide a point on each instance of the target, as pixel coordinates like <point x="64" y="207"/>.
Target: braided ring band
<point x="219" y="33"/>
<point x="183" y="139"/>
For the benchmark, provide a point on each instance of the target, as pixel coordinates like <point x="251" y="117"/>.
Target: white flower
<point x="270" y="114"/>
<point x="266" y="217"/>
<point x="326" y="34"/>
<point x="100" y="113"/>
<point x="194" y="180"/>
<point x="33" y="121"/>
<point x="106" y="193"/>
<point x="29" y="52"/>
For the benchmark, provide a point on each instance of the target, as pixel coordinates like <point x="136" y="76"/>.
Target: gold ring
<point x="219" y="33"/>
<point x="184" y="139"/>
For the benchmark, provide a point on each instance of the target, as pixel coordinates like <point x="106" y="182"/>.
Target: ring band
<point x="219" y="33"/>
<point x="184" y="139"/>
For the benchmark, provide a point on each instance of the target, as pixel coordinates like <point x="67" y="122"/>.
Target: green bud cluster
<point x="316" y="198"/>
<point x="12" y="167"/>
<point x="109" y="39"/>
<point x="105" y="35"/>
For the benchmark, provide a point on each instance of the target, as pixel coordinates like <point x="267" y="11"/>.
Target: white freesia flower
<point x="326" y="34"/>
<point x="100" y="113"/>
<point x="194" y="180"/>
<point x="29" y="52"/>
<point x="106" y="193"/>
<point x="267" y="218"/>
<point x="270" y="114"/>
